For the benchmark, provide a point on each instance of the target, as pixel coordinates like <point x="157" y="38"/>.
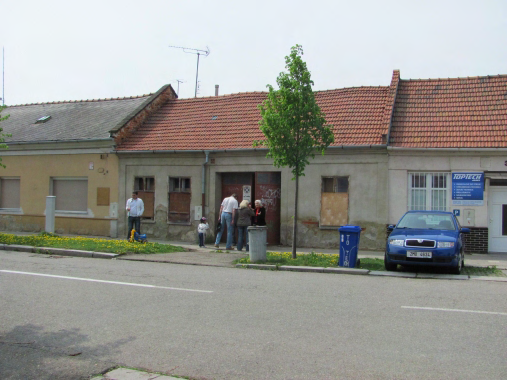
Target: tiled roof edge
<point x="81" y="101"/>
<point x="395" y="82"/>
<point x="266" y="93"/>
<point x="161" y="151"/>
<point x="141" y="107"/>
<point x="452" y="79"/>
<point x="131" y="122"/>
<point x="390" y="147"/>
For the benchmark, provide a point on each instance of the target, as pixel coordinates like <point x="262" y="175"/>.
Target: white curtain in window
<point x="71" y="194"/>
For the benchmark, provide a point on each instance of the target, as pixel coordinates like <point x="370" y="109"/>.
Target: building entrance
<point x="497" y="213"/>
<point x="265" y="186"/>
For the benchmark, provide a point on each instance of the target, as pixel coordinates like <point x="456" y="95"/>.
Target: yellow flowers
<point x="87" y="244"/>
<point x="306" y="259"/>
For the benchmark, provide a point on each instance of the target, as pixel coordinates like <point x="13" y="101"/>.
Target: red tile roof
<point x="451" y="113"/>
<point x="357" y="116"/>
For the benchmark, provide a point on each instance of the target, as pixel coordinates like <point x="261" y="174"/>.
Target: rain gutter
<point x="207" y="152"/>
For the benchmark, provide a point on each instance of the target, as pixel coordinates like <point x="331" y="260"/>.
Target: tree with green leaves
<point x="293" y="123"/>
<point x="3" y="135"/>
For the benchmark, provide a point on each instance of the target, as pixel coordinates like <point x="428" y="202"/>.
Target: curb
<point x="355" y="271"/>
<point x="58" y="251"/>
<point x="305" y="269"/>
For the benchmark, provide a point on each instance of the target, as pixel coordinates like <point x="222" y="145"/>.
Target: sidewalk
<point x="196" y="254"/>
<point x="209" y="257"/>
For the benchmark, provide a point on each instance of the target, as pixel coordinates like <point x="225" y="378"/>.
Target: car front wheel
<point x="391" y="267"/>
<point x="461" y="263"/>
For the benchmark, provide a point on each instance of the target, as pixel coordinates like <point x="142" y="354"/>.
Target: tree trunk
<point x="295" y="225"/>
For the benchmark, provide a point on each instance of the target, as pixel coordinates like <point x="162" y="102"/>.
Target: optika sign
<point x="470" y="177"/>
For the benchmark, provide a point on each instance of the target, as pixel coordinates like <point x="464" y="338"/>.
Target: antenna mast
<point x="194" y="51"/>
<point x="3" y="76"/>
<point x="179" y="81"/>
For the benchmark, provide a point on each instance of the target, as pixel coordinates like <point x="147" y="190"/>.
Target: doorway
<point x="265" y="186"/>
<point x="497" y="213"/>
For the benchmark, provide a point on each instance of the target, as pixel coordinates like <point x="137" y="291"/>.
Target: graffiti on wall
<point x="269" y="196"/>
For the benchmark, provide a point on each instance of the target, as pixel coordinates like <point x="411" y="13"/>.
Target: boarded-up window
<point x="71" y="194"/>
<point x="9" y="193"/>
<point x="179" y="200"/>
<point x="145" y="186"/>
<point x="334" y="209"/>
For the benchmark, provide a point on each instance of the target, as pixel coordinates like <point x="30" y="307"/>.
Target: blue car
<point x="426" y="238"/>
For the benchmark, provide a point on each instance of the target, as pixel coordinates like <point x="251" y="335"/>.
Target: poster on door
<point x="468" y="189"/>
<point x="247" y="193"/>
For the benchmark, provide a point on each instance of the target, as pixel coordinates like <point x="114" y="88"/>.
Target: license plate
<point x="419" y="254"/>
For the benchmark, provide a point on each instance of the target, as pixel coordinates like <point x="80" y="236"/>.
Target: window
<point x="179" y="200"/>
<point x="334" y="209"/>
<point x="428" y="191"/>
<point x="9" y="193"/>
<point x="145" y="186"/>
<point x="71" y="194"/>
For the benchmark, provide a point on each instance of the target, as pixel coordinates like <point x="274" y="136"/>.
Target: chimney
<point x="216" y="90"/>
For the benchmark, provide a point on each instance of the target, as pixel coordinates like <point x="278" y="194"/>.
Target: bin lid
<point x="349" y="228"/>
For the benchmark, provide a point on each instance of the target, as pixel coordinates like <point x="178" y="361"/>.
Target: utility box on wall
<point x="198" y="213"/>
<point x="468" y="218"/>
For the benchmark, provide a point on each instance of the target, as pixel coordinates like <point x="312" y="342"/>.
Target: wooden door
<point x="268" y="191"/>
<point x="234" y="183"/>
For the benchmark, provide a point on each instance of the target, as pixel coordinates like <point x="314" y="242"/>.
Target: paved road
<point x="225" y="323"/>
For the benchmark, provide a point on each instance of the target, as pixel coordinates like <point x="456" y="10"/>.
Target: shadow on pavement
<point x="29" y="352"/>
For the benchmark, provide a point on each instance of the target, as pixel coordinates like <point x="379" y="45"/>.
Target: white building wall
<point x="401" y="162"/>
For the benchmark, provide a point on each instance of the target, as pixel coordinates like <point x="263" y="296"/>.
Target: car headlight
<point x="399" y="242"/>
<point x="445" y="244"/>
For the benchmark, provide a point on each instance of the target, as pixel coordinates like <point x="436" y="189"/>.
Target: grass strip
<point x="374" y="264"/>
<point x="45" y="239"/>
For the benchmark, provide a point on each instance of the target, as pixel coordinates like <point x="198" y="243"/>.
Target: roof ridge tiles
<point x="266" y="92"/>
<point x="81" y="101"/>
<point x="453" y="79"/>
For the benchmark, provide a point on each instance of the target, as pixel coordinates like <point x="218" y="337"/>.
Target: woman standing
<point x="245" y="214"/>
<point x="260" y="214"/>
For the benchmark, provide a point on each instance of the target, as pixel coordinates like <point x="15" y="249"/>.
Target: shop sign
<point x="468" y="189"/>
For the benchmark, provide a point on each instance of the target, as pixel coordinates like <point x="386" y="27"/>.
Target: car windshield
<point x="427" y="221"/>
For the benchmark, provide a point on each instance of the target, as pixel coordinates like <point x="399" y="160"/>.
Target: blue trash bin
<point x="349" y="245"/>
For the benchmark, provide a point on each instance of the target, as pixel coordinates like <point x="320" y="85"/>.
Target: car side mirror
<point x="465" y="230"/>
<point x="390" y="227"/>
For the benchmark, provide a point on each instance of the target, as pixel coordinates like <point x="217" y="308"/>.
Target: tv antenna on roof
<point x="179" y="81"/>
<point x="199" y="52"/>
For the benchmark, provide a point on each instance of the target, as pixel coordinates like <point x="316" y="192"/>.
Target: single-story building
<point x="448" y="151"/>
<point x="416" y="144"/>
<point x="65" y="149"/>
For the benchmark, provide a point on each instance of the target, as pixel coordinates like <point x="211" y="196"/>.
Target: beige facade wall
<point x="35" y="172"/>
<point x="367" y="170"/>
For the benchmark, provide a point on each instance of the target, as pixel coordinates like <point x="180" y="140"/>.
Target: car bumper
<point x="444" y="258"/>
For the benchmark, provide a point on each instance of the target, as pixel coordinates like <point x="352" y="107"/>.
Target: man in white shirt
<point x="135" y="209"/>
<point x="226" y="214"/>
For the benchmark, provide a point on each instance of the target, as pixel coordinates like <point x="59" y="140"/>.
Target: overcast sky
<point x="65" y="50"/>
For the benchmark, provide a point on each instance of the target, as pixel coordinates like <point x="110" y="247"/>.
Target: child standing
<point x="201" y="230"/>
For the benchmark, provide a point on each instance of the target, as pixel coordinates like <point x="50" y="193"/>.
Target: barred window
<point x="429" y="191"/>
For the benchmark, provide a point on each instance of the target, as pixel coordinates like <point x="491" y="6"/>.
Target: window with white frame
<point x="71" y="194"/>
<point x="429" y="191"/>
<point x="9" y="193"/>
